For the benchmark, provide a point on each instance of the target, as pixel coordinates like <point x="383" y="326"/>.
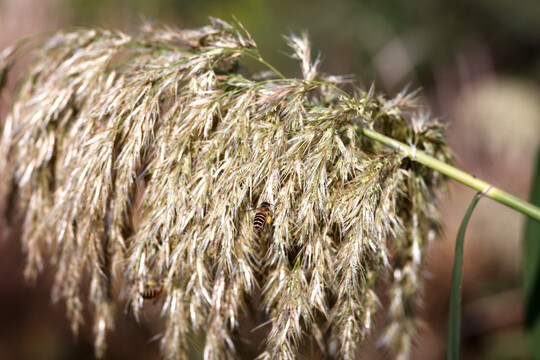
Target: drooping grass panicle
<point x="139" y="158"/>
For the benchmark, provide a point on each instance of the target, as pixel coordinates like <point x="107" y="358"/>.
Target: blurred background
<point x="478" y="64"/>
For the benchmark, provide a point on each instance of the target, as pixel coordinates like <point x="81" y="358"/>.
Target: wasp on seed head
<point x="263" y="215"/>
<point x="151" y="290"/>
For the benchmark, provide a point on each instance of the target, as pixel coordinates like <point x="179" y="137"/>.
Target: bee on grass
<point x="263" y="215"/>
<point x="151" y="290"/>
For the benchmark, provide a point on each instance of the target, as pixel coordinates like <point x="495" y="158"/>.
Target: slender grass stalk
<point x="487" y="189"/>
<point x="531" y="270"/>
<point x="256" y="56"/>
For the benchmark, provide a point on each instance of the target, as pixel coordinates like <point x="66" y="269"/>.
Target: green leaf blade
<point x="454" y="313"/>
<point x="531" y="271"/>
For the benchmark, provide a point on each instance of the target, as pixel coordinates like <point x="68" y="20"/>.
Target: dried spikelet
<point x="140" y="157"/>
<point x="7" y="58"/>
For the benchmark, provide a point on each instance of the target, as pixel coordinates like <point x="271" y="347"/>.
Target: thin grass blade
<point x="454" y="314"/>
<point x="531" y="262"/>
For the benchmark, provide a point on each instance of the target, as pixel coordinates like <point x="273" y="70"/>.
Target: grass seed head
<point x="139" y="157"/>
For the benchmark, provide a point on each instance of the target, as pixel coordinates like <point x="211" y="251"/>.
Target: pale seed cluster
<point x="138" y="160"/>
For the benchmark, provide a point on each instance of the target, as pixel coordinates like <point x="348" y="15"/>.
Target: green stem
<point x="456" y="174"/>
<point x="258" y="58"/>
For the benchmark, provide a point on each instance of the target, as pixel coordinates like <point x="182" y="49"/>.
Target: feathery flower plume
<point x="138" y="159"/>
